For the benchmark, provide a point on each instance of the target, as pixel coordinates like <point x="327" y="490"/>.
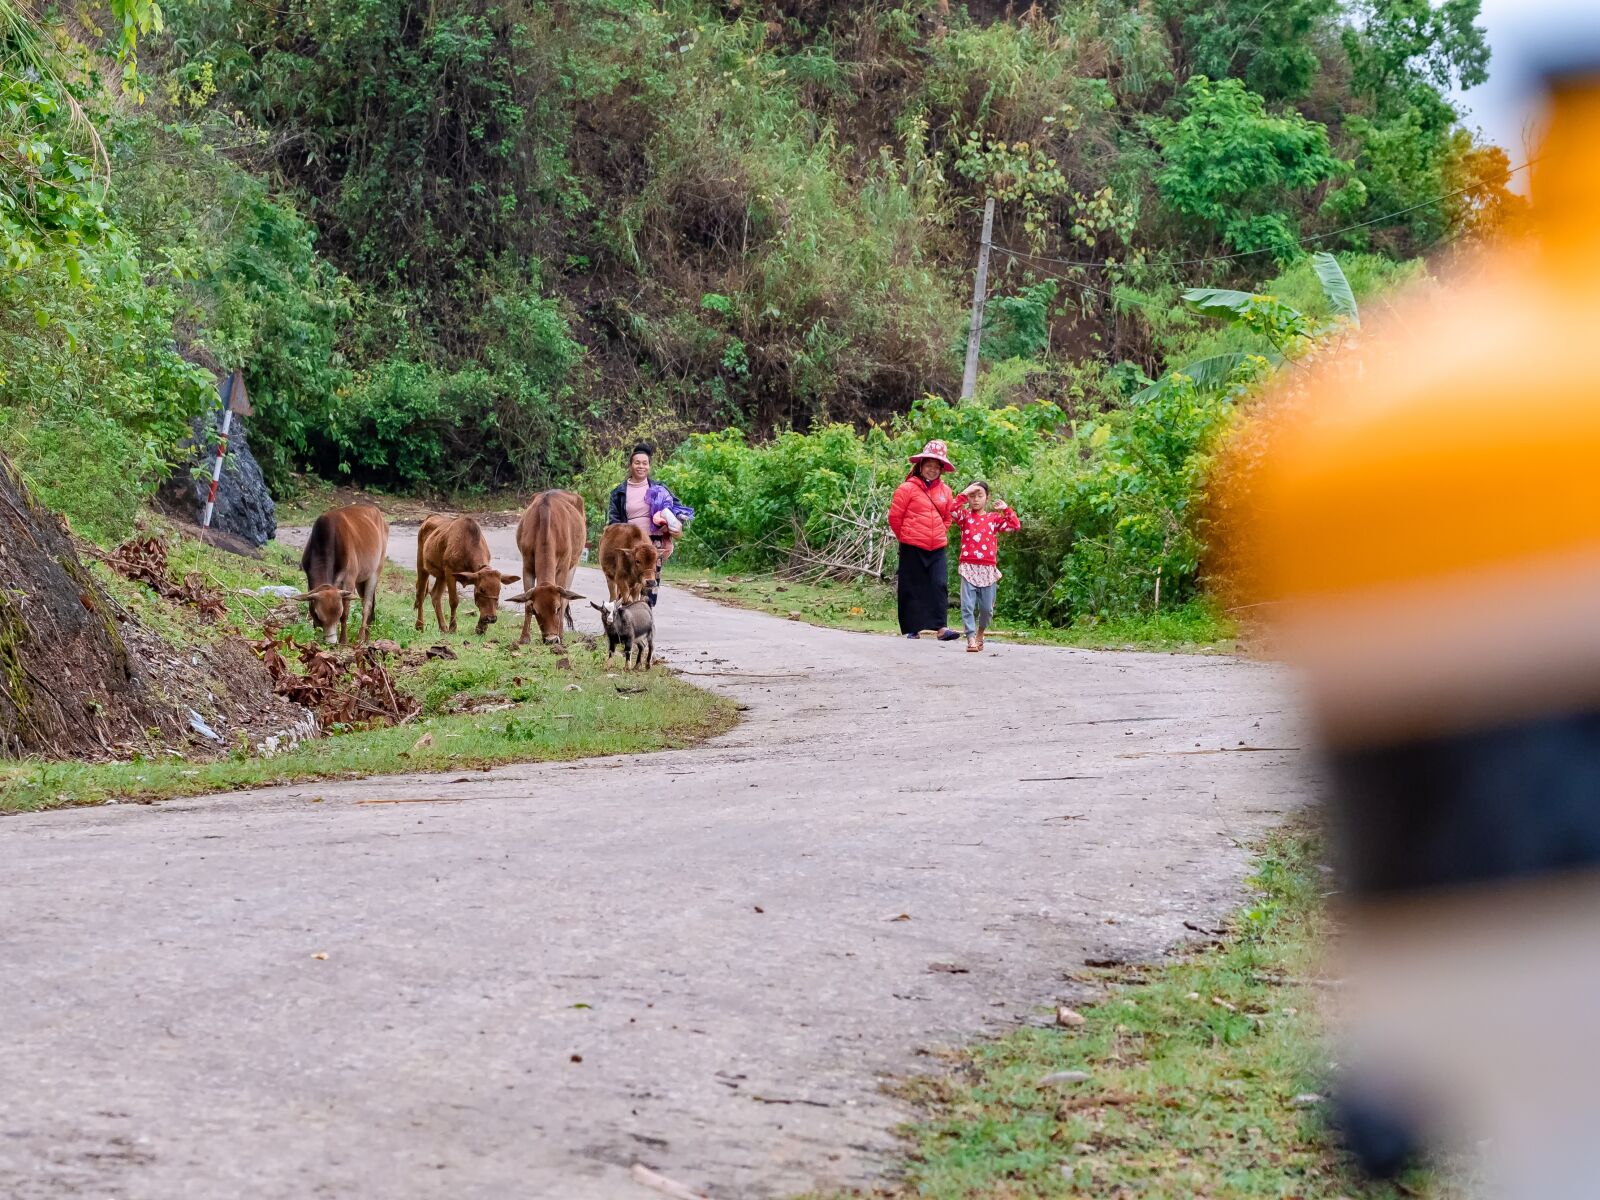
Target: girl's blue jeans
<point x="977" y="606"/>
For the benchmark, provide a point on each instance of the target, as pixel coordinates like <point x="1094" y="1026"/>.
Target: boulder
<point x="244" y="506"/>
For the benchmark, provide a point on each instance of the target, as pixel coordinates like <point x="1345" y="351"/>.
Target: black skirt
<point x="924" y="589"/>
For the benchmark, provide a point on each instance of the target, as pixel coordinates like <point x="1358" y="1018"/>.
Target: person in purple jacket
<point x="640" y="500"/>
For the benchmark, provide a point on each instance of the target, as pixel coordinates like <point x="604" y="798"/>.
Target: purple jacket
<point x="656" y="497"/>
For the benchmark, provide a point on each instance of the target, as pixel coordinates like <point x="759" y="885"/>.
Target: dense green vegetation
<point x="1111" y="500"/>
<point x="464" y="245"/>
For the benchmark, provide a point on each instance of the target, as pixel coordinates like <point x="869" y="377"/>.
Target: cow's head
<point x="645" y="558"/>
<point x="549" y="607"/>
<point x="329" y="604"/>
<point x="486" y="584"/>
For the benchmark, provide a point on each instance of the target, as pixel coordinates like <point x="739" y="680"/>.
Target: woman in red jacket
<point x="919" y="515"/>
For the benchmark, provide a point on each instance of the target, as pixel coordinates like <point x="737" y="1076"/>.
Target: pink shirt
<point x="638" y="511"/>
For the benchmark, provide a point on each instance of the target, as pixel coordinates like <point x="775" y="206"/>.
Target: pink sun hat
<point x="936" y="451"/>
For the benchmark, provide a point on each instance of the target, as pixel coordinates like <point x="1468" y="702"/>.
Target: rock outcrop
<point x="244" y="506"/>
<point x="68" y="685"/>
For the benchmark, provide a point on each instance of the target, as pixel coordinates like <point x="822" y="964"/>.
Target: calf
<point x="454" y="552"/>
<point x="628" y="560"/>
<point x="343" y="561"/>
<point x="631" y="626"/>
<point x="551" y="536"/>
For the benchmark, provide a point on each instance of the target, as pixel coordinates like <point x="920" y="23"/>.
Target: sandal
<point x="948" y="635"/>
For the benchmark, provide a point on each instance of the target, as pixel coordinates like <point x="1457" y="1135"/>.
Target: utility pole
<point x="980" y="288"/>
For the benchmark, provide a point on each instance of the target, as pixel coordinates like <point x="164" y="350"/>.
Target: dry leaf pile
<point x="144" y="560"/>
<point x="350" y="688"/>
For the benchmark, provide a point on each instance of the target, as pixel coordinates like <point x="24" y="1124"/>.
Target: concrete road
<point x="704" y="961"/>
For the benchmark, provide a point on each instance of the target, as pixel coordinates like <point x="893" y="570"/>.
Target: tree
<point x="1233" y="165"/>
<point x="1397" y="46"/>
<point x="1404" y="55"/>
<point x="1272" y="46"/>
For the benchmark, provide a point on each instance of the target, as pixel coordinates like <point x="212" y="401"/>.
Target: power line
<point x="1316" y="237"/>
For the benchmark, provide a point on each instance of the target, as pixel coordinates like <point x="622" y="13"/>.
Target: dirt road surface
<point x="705" y="961"/>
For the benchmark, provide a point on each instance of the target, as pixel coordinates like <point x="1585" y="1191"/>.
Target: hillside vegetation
<point x="466" y="245"/>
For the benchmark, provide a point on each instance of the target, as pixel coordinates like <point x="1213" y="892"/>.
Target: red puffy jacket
<point x="919" y="513"/>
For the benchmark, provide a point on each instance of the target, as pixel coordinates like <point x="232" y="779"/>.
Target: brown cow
<point x="551" y="536"/>
<point x="343" y="561"/>
<point x="454" y="552"/>
<point x="628" y="561"/>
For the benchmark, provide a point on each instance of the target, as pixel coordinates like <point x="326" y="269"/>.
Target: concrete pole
<point x="980" y="288"/>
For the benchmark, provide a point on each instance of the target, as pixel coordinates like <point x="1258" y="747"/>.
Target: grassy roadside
<point x="492" y="703"/>
<point x="1200" y="1078"/>
<point x="870" y="607"/>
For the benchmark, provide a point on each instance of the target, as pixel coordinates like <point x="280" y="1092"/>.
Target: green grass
<point x="494" y="703"/>
<point x="870" y="606"/>
<point x="1194" y="1068"/>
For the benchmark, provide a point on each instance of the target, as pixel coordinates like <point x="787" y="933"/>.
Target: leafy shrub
<point x="1134" y="540"/>
<point x="94" y="398"/>
<point x="280" y="308"/>
<point x="416" y="426"/>
<point x="749" y="500"/>
<point x="1018" y="326"/>
<point x="1108" y="507"/>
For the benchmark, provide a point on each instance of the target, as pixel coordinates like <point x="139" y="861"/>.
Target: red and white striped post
<point x="234" y="400"/>
<point x="216" y="469"/>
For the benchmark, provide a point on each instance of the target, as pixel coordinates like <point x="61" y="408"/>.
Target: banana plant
<point x="1281" y="324"/>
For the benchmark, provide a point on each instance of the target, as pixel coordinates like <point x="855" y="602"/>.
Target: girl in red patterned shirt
<point x="981" y="528"/>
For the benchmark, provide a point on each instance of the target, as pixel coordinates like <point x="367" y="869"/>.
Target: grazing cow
<point x="628" y="561"/>
<point x="454" y="552"/>
<point x="551" y="536"/>
<point x="343" y="561"/>
<point x="631" y="626"/>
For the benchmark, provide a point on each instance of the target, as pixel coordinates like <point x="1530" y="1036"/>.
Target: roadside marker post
<point x="234" y="400"/>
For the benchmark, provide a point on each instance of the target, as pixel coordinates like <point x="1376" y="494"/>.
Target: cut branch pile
<point x="144" y="560"/>
<point x="853" y="545"/>
<point x="355" y="689"/>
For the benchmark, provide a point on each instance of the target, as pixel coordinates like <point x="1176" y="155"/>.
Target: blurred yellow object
<point x="1420" y="516"/>
<point x="1427" y="523"/>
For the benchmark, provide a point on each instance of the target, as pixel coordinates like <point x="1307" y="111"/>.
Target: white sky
<point x="1522" y="33"/>
<point x="1498" y="107"/>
